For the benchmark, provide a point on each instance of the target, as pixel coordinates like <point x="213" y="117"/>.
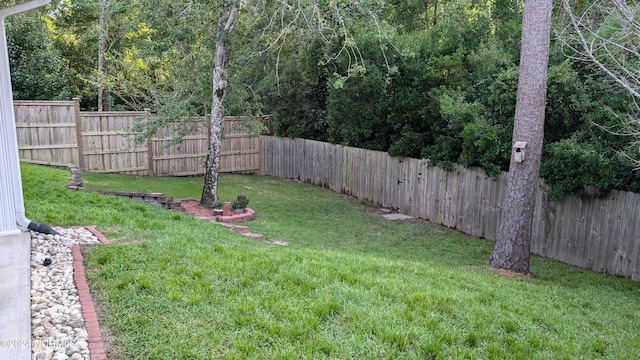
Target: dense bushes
<point x="450" y="97"/>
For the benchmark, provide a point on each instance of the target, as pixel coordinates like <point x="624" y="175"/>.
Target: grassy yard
<point x="349" y="285"/>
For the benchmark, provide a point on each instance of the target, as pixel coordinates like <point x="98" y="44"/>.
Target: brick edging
<point x="103" y="239"/>
<point x="96" y="346"/>
<point x="249" y="214"/>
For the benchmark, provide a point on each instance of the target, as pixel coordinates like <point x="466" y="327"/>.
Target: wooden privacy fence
<point x="599" y="234"/>
<point x="58" y="133"/>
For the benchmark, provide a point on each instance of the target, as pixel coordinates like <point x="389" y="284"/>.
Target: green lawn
<point x="350" y="285"/>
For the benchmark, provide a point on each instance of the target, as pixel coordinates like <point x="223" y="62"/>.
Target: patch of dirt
<point x="193" y="207"/>
<point x="513" y="275"/>
<point x="108" y="337"/>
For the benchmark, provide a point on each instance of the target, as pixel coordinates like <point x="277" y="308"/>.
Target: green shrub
<point x="241" y="202"/>
<point x="575" y="167"/>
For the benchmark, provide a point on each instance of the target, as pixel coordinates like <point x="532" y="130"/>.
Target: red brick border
<point x="103" y="239"/>
<point x="96" y="346"/>
<point x="245" y="216"/>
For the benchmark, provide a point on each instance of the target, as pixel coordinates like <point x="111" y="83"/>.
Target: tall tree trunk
<point x="435" y="12"/>
<point x="228" y="18"/>
<point x="512" y="247"/>
<point x="103" y="68"/>
<point x="426" y="13"/>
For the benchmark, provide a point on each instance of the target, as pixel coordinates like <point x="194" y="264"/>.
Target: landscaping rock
<point x="58" y="329"/>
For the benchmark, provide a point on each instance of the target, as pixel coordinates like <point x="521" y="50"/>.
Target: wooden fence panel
<point x="420" y="196"/>
<point x="316" y="165"/>
<point x="268" y="162"/>
<point x="240" y="150"/>
<point x="336" y="168"/>
<point x="379" y="169"/>
<point x="46" y="134"/>
<point x="58" y="133"/>
<point x="598" y="234"/>
<point x="108" y="145"/>
<point x="184" y="159"/>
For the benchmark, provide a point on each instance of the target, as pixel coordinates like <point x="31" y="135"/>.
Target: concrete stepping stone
<point x="258" y="237"/>
<point x="397" y="217"/>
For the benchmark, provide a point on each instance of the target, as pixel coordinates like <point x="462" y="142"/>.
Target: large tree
<point x="328" y="22"/>
<point x="229" y="13"/>
<point x="512" y="247"/>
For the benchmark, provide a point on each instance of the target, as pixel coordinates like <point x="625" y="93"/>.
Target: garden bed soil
<point x="192" y="207"/>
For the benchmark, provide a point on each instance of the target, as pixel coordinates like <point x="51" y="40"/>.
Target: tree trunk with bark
<point x="435" y="12"/>
<point x="103" y="67"/>
<point x="426" y="14"/>
<point x="512" y="247"/>
<point x="228" y="18"/>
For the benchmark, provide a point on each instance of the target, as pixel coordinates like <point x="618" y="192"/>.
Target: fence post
<point x="150" y="156"/>
<point x="76" y="115"/>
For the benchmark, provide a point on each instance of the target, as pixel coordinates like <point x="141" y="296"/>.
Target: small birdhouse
<point x="519" y="151"/>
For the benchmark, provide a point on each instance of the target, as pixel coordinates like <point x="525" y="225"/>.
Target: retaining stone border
<point x="158" y="199"/>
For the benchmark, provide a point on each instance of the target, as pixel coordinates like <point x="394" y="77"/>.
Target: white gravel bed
<point x="57" y="326"/>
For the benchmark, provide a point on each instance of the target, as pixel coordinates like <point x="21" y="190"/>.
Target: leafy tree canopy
<point x="430" y="79"/>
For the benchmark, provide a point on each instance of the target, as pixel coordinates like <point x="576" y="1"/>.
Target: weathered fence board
<point x="598" y="234"/>
<point x="46" y="133"/>
<point x="58" y="133"/>
<point x="108" y="146"/>
<point x="186" y="158"/>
